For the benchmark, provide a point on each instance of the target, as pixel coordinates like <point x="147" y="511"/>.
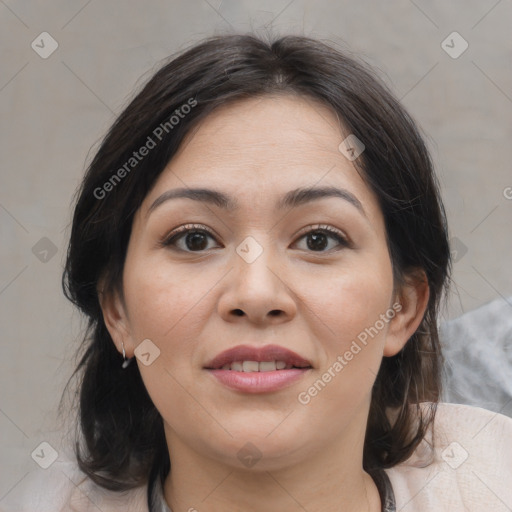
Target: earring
<point x="126" y="362"/>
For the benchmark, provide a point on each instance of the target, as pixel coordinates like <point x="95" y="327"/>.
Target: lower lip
<point x="259" y="382"/>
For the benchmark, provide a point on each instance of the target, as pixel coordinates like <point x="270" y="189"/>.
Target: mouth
<point x="258" y="370"/>
<point x="258" y="366"/>
<point x="244" y="358"/>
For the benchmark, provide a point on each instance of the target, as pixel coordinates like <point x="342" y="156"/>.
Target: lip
<point x="258" y="382"/>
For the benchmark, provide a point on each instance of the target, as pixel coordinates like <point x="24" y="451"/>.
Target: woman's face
<point x="251" y="275"/>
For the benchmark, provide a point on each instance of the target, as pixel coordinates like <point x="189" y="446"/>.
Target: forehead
<point x="274" y="128"/>
<point x="260" y="148"/>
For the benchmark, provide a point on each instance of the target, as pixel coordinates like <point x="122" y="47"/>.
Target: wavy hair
<point x="120" y="438"/>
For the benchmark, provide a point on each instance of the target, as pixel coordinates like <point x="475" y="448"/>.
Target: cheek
<point x="353" y="300"/>
<point x="165" y="306"/>
<point x="353" y="346"/>
<point x="162" y="300"/>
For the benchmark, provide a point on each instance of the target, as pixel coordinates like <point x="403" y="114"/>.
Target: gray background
<point x="54" y="110"/>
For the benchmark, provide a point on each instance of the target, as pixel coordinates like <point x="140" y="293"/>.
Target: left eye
<point x="318" y="238"/>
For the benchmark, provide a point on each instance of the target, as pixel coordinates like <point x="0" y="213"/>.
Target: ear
<point x="115" y="318"/>
<point x="413" y="297"/>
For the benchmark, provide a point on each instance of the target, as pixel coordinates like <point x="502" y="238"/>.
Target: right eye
<point x="189" y="238"/>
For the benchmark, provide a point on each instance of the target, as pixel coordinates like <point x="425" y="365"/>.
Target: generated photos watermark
<point x="341" y="361"/>
<point x="157" y="135"/>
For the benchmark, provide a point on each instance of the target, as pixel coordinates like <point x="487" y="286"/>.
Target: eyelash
<point x="193" y="228"/>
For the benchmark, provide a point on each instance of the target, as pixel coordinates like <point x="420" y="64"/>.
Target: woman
<point x="261" y="249"/>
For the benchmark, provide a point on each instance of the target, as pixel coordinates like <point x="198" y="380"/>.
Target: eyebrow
<point x="291" y="199"/>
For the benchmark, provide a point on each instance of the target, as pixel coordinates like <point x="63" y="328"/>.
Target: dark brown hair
<point x="122" y="433"/>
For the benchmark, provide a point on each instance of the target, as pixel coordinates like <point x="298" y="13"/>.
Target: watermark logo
<point x="44" y="250"/>
<point x="44" y="455"/>
<point x="44" y="45"/>
<point x="147" y="352"/>
<point x="454" y="45"/>
<point x="454" y="455"/>
<point x="351" y="147"/>
<point x="249" y="249"/>
<point x="457" y="249"/>
<point x="249" y="455"/>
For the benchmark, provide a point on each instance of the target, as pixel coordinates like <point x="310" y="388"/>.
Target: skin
<point x="186" y="303"/>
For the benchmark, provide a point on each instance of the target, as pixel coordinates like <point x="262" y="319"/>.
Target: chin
<point x="262" y="447"/>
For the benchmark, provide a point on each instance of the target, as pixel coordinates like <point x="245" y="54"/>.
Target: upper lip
<point x="248" y="353"/>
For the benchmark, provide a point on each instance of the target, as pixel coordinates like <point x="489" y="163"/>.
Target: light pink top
<point x="471" y="471"/>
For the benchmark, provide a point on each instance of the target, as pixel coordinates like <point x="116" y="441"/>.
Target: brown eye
<point x="189" y="239"/>
<point x="318" y="238"/>
<point x="317" y="241"/>
<point x="196" y="241"/>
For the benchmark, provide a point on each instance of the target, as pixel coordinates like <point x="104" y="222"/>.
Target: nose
<point x="258" y="290"/>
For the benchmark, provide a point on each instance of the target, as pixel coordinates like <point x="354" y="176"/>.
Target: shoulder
<point x="62" y="487"/>
<point x="465" y="465"/>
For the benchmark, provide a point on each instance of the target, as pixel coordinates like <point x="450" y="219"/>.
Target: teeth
<point x="250" y="366"/>
<point x="267" y="366"/>
<point x="255" y="366"/>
